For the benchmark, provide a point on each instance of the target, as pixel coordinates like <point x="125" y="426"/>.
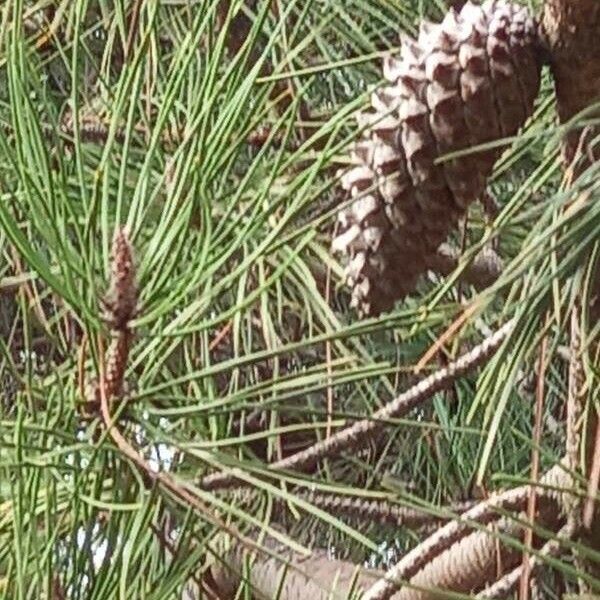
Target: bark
<point x="454" y="559"/>
<point x="572" y="32"/>
<point x="316" y="577"/>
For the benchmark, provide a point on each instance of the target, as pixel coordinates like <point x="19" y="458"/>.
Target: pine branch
<point x="383" y="511"/>
<point x="359" y="434"/>
<point x="504" y="586"/>
<point x="121" y="306"/>
<point x="437" y="556"/>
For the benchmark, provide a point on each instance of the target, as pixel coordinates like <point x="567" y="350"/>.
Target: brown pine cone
<point x="467" y="81"/>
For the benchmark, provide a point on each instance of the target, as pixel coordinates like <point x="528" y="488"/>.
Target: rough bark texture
<point x="456" y="559"/>
<point x="572" y="32"/>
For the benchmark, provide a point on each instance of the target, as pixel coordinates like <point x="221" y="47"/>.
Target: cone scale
<point x="470" y="80"/>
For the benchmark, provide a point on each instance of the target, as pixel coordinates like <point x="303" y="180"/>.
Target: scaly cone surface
<point x="467" y="81"/>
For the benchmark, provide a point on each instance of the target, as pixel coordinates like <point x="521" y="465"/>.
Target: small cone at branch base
<point x="120" y="307"/>
<point x="123" y="294"/>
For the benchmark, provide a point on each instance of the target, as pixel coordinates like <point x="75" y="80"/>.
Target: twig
<point x="504" y="586"/>
<point x="594" y="482"/>
<point x="221" y="335"/>
<point x="574" y="396"/>
<point x="187" y="498"/>
<point x="133" y="29"/>
<point x="445" y="538"/>
<point x="357" y="435"/>
<point x="446" y="336"/>
<point x="575" y="407"/>
<point x="383" y="511"/>
<point x="535" y="470"/>
<point x="121" y="307"/>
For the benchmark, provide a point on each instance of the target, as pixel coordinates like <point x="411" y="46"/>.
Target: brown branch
<point x="383" y="511"/>
<point x="359" y="434"/>
<point x="504" y="586"/>
<point x="121" y="307"/>
<point x="429" y="564"/>
<point x="575" y="395"/>
<point x="535" y="469"/>
<point x="187" y="498"/>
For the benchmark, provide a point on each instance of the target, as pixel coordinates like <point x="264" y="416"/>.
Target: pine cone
<point x="122" y="296"/>
<point x="468" y="81"/>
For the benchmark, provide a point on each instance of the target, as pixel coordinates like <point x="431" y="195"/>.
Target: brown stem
<point x="187" y="498"/>
<point x="383" y="511"/>
<point x="455" y="559"/>
<point x="359" y="434"/>
<point x="504" y="586"/>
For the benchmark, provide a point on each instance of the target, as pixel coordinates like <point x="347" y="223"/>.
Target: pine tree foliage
<point x="171" y="309"/>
